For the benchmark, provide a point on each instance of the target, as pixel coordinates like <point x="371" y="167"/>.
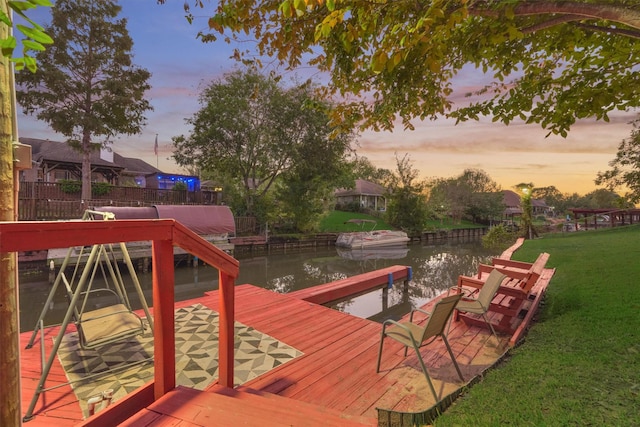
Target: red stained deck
<point x="333" y="383"/>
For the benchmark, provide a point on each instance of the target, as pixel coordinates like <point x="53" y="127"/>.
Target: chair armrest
<point x="484" y="268"/>
<point x="471" y="282"/>
<point x="465" y="292"/>
<point x="427" y="313"/>
<point x="394" y="323"/>
<point x="501" y="262"/>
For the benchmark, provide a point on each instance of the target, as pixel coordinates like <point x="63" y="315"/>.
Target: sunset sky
<point x="166" y="45"/>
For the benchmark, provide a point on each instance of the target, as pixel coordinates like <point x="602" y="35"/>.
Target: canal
<point x="436" y="267"/>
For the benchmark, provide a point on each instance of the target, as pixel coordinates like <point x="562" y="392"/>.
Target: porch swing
<point x="101" y="312"/>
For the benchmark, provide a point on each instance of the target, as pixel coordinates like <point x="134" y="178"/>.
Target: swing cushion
<point x="108" y="324"/>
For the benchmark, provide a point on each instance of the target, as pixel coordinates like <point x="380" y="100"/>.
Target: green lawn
<point x="335" y="223"/>
<point x="580" y="362"/>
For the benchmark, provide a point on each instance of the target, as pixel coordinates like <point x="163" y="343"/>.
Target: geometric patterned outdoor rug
<point x="196" y="357"/>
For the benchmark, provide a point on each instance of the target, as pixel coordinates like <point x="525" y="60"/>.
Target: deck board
<point x="336" y="371"/>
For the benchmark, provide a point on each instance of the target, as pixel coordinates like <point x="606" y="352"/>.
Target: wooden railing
<point x="55" y="191"/>
<point x="164" y="234"/>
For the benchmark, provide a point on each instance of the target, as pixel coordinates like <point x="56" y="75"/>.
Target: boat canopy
<point x="201" y="219"/>
<point x="148" y="212"/>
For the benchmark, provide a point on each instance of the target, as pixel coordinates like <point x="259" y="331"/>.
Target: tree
<point x="526" y="191"/>
<point x="625" y="168"/>
<point x="448" y="196"/>
<point x="306" y="189"/>
<point x="472" y="194"/>
<point x="486" y="201"/>
<point x="406" y="208"/>
<point x="10" y="413"/>
<point x="550" y="61"/>
<point x="251" y="130"/>
<point x="86" y="87"/>
<point x="552" y="197"/>
<point x="603" y="198"/>
<point x="364" y="169"/>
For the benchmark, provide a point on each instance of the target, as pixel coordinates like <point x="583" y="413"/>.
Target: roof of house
<point x="61" y="152"/>
<point x="512" y="202"/>
<point x="134" y="166"/>
<point x="511" y="199"/>
<point x="539" y="203"/>
<point x="53" y="151"/>
<point x="362" y="187"/>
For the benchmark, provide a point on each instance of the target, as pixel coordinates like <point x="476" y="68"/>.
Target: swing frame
<point x="98" y="327"/>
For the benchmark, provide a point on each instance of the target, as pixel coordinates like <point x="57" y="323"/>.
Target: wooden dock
<point x="353" y="286"/>
<point x="333" y="383"/>
<point x="331" y="379"/>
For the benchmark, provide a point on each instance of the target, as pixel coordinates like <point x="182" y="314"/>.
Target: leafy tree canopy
<point x="35" y="35"/>
<point x="625" y="168"/>
<point x="255" y="133"/>
<point x="363" y="169"/>
<point x="472" y="194"/>
<point x="406" y="208"/>
<point x="551" y="62"/>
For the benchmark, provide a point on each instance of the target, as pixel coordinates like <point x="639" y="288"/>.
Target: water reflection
<point x="435" y="268"/>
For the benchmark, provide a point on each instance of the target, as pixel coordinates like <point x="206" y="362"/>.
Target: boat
<point x="371" y="238"/>
<point x="363" y="254"/>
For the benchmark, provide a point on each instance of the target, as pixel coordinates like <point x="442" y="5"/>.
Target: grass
<point x="335" y="223"/>
<point x="580" y="362"/>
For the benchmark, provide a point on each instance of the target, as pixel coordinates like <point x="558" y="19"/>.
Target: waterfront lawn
<point x="580" y="362"/>
<point x="335" y="222"/>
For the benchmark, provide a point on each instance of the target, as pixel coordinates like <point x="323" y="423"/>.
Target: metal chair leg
<point x="380" y="352"/>
<point x="493" y="331"/>
<point x="426" y="374"/>
<point x="453" y="358"/>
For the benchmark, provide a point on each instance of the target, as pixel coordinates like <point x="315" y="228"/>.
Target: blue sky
<point x="165" y="44"/>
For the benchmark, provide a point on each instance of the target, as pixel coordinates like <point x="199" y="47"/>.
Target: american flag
<point x="155" y="146"/>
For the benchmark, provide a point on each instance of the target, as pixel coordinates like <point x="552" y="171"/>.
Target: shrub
<point x="70" y="186"/>
<point x="499" y="238"/>
<point x="100" y="188"/>
<point x="180" y="186"/>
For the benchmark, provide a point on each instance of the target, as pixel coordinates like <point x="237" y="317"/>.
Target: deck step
<point x="224" y="407"/>
<point x="286" y="411"/>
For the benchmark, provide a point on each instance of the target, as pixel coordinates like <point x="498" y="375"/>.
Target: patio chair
<point x="480" y="304"/>
<point x="413" y="335"/>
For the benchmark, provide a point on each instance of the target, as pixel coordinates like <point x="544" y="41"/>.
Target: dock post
<point x="52" y="272"/>
<point x="408" y="279"/>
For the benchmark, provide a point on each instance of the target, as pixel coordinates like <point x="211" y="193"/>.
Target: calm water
<point x="435" y="268"/>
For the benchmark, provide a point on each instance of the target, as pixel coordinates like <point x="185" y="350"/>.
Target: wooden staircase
<point x="222" y="407"/>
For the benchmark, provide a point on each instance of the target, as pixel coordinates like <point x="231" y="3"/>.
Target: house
<point x="135" y="171"/>
<point x="56" y="161"/>
<point x="365" y="195"/>
<point x="513" y="206"/>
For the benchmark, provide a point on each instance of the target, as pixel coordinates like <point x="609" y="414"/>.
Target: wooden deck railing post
<point x="163" y="306"/>
<point x="226" y="338"/>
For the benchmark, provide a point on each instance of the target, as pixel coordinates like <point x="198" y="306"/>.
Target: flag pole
<point x="155" y="150"/>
